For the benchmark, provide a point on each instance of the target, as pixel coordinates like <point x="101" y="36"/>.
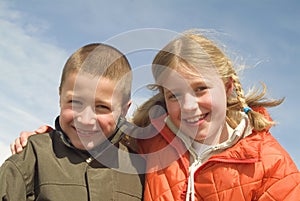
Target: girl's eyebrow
<point x="167" y="91"/>
<point x="200" y="83"/>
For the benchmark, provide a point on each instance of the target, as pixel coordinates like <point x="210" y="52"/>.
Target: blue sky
<point x="36" y="38"/>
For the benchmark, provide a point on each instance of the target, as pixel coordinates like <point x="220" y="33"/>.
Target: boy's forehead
<point x="91" y="80"/>
<point x="83" y="83"/>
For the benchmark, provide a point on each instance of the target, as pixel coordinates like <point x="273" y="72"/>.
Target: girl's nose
<point x="87" y="116"/>
<point x="189" y="102"/>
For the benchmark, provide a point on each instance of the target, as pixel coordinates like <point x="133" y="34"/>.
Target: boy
<point x="85" y="158"/>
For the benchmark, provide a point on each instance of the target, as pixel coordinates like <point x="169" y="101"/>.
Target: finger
<point x="24" y="135"/>
<point x="42" y="129"/>
<point x="18" y="145"/>
<point x="12" y="148"/>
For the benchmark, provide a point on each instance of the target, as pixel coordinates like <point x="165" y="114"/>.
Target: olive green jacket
<point x="50" y="168"/>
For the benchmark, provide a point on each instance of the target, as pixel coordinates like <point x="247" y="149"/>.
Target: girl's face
<point x="90" y="108"/>
<point x="196" y="104"/>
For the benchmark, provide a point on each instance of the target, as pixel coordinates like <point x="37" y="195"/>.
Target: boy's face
<point x="90" y="108"/>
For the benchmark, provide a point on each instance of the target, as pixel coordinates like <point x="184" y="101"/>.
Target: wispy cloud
<point x="30" y="70"/>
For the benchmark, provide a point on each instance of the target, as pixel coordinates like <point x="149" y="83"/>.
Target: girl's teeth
<point x="195" y="119"/>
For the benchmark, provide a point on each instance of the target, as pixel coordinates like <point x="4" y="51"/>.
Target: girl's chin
<point x="201" y="138"/>
<point x="193" y="133"/>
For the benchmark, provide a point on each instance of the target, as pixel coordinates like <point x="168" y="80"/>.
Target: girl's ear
<point x="229" y="87"/>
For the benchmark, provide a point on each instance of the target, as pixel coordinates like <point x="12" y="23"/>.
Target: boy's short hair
<point x="99" y="59"/>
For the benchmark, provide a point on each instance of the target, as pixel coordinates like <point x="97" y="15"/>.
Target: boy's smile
<point x="90" y="108"/>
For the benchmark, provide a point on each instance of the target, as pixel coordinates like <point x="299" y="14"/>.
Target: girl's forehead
<point x="188" y="80"/>
<point x="201" y="75"/>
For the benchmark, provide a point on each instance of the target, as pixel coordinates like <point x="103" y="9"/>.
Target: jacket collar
<point x="112" y="140"/>
<point x="245" y="147"/>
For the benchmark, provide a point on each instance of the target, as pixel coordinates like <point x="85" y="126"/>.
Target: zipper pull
<point x="89" y="160"/>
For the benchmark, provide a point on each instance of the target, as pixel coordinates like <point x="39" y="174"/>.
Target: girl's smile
<point x="195" y="105"/>
<point x="195" y="121"/>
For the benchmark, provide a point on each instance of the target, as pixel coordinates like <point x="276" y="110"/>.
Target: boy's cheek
<point x="108" y="124"/>
<point x="67" y="115"/>
<point x="67" y="112"/>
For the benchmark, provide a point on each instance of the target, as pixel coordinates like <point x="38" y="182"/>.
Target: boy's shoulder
<point x="129" y="143"/>
<point x="129" y="159"/>
<point x="43" y="138"/>
<point x="36" y="145"/>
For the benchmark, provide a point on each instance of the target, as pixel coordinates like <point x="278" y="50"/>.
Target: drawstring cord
<point x="242" y="130"/>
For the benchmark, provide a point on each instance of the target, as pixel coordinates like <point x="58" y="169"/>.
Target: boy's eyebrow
<point x="69" y="94"/>
<point x="109" y="102"/>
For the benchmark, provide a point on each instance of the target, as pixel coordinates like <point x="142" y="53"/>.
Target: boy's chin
<point x="90" y="145"/>
<point x="86" y="146"/>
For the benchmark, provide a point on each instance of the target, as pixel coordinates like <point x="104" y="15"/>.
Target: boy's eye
<point x="75" y="102"/>
<point x="103" y="109"/>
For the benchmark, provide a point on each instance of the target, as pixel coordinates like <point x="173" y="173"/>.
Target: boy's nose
<point x="87" y="116"/>
<point x="189" y="102"/>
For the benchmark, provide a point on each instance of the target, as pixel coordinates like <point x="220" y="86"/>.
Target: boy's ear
<point x="59" y="93"/>
<point x="125" y="108"/>
<point x="229" y="87"/>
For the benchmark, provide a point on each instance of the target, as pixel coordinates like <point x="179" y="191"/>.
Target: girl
<point x="213" y="142"/>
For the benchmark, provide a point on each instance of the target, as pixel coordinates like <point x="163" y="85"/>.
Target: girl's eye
<point x="173" y="96"/>
<point x="201" y="89"/>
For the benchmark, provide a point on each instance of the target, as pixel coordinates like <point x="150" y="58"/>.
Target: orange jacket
<point x="256" y="168"/>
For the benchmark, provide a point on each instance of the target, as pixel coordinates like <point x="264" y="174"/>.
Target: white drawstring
<point x="242" y="130"/>
<point x="190" y="195"/>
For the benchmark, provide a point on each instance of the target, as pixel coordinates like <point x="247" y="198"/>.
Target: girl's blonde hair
<point x="192" y="51"/>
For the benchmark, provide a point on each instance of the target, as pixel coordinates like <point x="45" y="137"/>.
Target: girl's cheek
<point x="173" y="107"/>
<point x="218" y="101"/>
<point x="206" y="101"/>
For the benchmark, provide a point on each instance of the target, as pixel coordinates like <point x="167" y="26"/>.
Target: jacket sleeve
<point x="281" y="176"/>
<point x="17" y="176"/>
<point x="12" y="184"/>
<point x="287" y="189"/>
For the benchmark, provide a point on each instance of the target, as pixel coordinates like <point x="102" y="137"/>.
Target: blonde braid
<point x="239" y="92"/>
<point x="235" y="102"/>
<point x="258" y="121"/>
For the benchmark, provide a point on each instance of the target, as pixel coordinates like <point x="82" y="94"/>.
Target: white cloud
<point x="30" y="70"/>
<point x="4" y="152"/>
